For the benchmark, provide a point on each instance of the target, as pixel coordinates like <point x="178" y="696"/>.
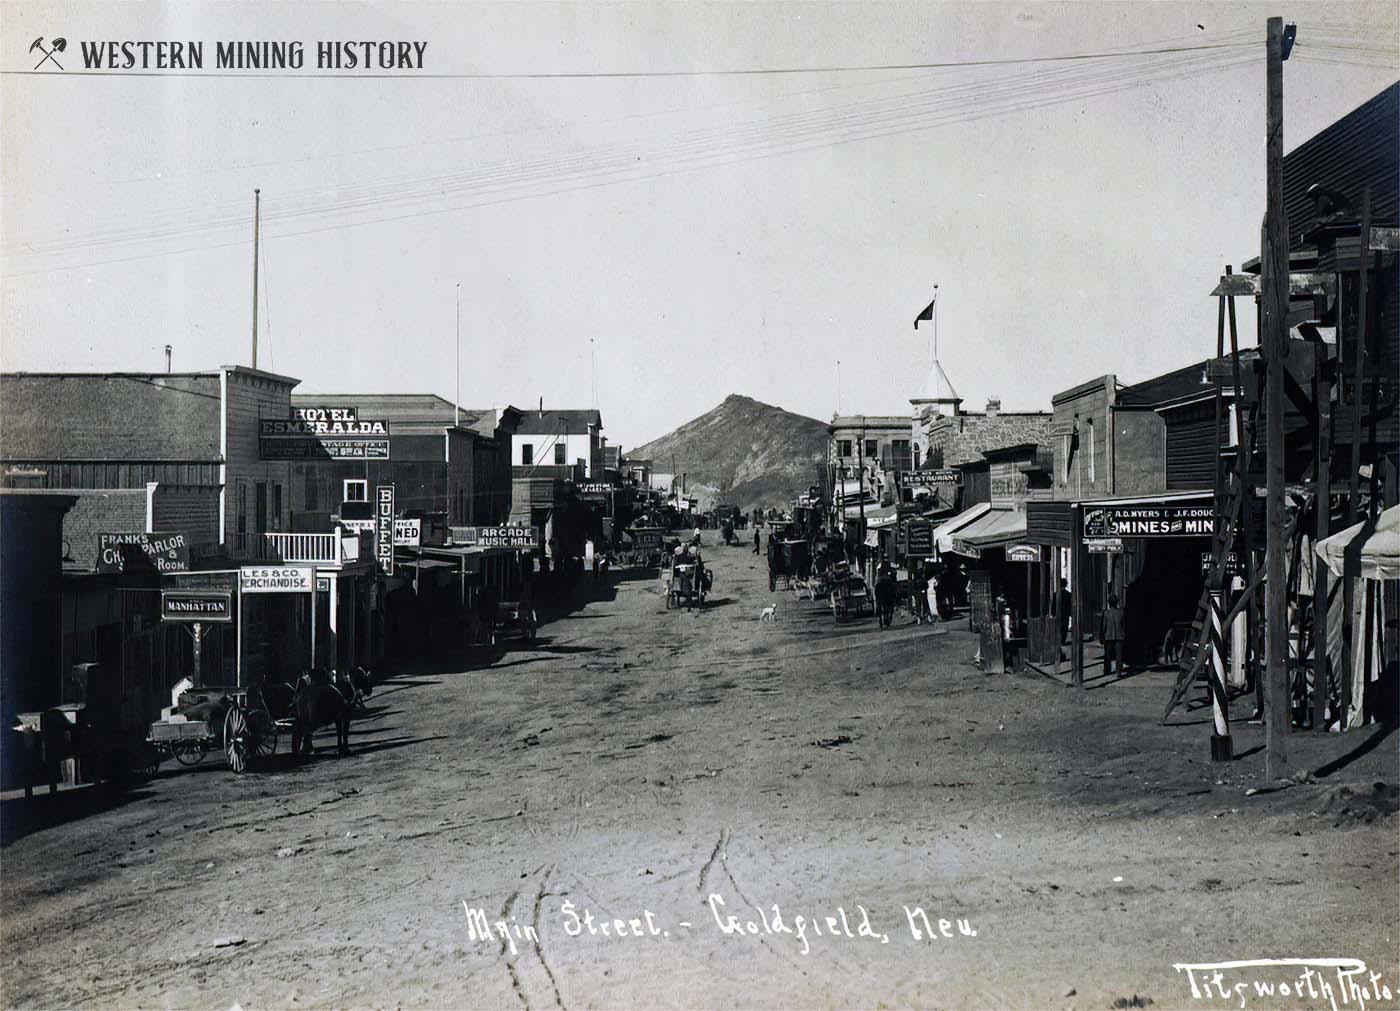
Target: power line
<point x="616" y="74"/>
<point x="1037" y="101"/>
<point x="948" y="104"/>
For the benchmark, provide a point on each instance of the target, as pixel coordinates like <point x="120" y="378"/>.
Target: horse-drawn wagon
<point x="236" y="721"/>
<point x="687" y="584"/>
<point x="850" y="596"/>
<point x="648" y="546"/>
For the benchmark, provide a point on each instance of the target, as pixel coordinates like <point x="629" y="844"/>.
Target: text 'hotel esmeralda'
<point x="265" y="55"/>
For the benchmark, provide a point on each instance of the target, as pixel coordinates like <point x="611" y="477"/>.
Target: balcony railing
<point x="328" y="550"/>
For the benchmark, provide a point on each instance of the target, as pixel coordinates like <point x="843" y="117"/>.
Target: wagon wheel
<point x="264" y="734"/>
<point x="190" y="750"/>
<point x="238" y="738"/>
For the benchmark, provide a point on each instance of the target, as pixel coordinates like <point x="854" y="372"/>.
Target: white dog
<point x="769" y="614"/>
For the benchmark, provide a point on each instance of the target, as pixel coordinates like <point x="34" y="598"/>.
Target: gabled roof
<point x="124" y="416"/>
<point x="554" y="422"/>
<point x="404" y="408"/>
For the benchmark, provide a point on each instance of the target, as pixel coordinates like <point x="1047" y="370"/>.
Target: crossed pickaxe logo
<point x="56" y="46"/>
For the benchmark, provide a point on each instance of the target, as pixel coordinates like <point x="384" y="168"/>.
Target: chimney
<point x="993" y="406"/>
<point x="541" y="407"/>
<point x="168" y="349"/>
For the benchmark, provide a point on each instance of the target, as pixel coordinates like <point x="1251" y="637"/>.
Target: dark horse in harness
<point x="322" y="698"/>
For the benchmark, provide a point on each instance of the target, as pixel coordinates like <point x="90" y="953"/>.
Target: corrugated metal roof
<point x="1361" y="149"/>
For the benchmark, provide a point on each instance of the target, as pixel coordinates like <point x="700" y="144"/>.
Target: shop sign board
<point x="275" y="579"/>
<point x="408" y="533"/>
<point x="1232" y="563"/>
<point x="333" y="433"/>
<point x="1023" y="553"/>
<point x="1104" y="545"/>
<point x="384" y="527"/>
<point x="164" y="552"/>
<point x="1149" y="521"/>
<point x="963" y="547"/>
<point x="499" y="537"/>
<point x="195" y="605"/>
<point x="595" y="489"/>
<point x="919" y="539"/>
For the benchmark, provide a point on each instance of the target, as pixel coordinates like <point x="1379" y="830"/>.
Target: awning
<point x="943" y="536"/>
<point x="887" y="516"/>
<point x="1375" y="548"/>
<point x="996" y="529"/>
<point x="1166" y="498"/>
<point x="853" y="512"/>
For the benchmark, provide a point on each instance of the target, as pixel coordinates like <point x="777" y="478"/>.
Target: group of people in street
<point x="930" y="593"/>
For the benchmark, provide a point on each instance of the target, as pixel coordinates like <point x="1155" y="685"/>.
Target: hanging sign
<point x="918" y="538"/>
<point x="1150" y="521"/>
<point x="1023" y="553"/>
<point x="195" y="605"/>
<point x="962" y="547"/>
<point x="1104" y="545"/>
<point x="275" y="579"/>
<point x="408" y="533"/>
<point x="384" y="527"/>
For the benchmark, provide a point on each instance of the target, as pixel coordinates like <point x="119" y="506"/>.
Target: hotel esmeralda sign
<point x="1149" y="521"/>
<point x="327" y="433"/>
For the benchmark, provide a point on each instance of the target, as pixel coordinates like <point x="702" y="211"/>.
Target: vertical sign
<point x="384" y="527"/>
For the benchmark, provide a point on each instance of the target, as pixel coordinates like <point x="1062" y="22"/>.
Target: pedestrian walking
<point x="1064" y="602"/>
<point x="1114" y="630"/>
<point x="884" y="596"/>
<point x="757" y="542"/>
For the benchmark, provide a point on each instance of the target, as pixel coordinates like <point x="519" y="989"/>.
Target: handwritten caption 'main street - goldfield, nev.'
<point x="840" y="925"/>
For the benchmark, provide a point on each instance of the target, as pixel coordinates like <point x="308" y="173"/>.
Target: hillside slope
<point x="744" y="452"/>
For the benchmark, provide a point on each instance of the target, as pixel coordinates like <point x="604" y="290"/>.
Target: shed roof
<point x="109" y="416"/>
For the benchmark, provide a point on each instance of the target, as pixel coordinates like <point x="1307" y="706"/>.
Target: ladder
<point x="1196" y="650"/>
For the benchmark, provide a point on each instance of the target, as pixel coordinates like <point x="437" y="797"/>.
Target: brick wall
<point x="101" y="511"/>
<point x="965" y="437"/>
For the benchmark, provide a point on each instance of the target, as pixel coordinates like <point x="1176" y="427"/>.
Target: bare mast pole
<point x="257" y="215"/>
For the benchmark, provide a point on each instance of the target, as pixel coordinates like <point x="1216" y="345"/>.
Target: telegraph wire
<point x="629" y="74"/>
<point x="1031" y="103"/>
<point x="793" y="128"/>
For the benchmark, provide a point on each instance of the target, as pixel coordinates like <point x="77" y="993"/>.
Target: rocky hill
<point x="743" y="452"/>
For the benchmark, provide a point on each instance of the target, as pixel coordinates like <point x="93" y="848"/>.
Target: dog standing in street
<point x="769" y="614"/>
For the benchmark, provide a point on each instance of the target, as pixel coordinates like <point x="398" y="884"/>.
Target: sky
<point x="657" y="225"/>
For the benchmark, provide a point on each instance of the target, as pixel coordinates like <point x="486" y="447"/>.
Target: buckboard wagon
<point x="236" y="721"/>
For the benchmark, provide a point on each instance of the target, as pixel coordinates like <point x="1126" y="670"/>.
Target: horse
<point x="319" y="702"/>
<point x="355" y="686"/>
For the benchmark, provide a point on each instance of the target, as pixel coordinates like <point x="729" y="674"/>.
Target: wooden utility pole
<point x="257" y="214"/>
<point x="1358" y="363"/>
<point x="1322" y="402"/>
<point x="1274" y="339"/>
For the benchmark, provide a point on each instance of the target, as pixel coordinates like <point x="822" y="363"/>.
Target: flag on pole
<point x="927" y="314"/>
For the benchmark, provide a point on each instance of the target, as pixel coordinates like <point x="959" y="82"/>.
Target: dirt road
<point x="664" y="768"/>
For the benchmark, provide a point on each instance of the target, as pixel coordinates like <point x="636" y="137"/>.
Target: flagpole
<point x="457" y="387"/>
<point x="937" y="369"/>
